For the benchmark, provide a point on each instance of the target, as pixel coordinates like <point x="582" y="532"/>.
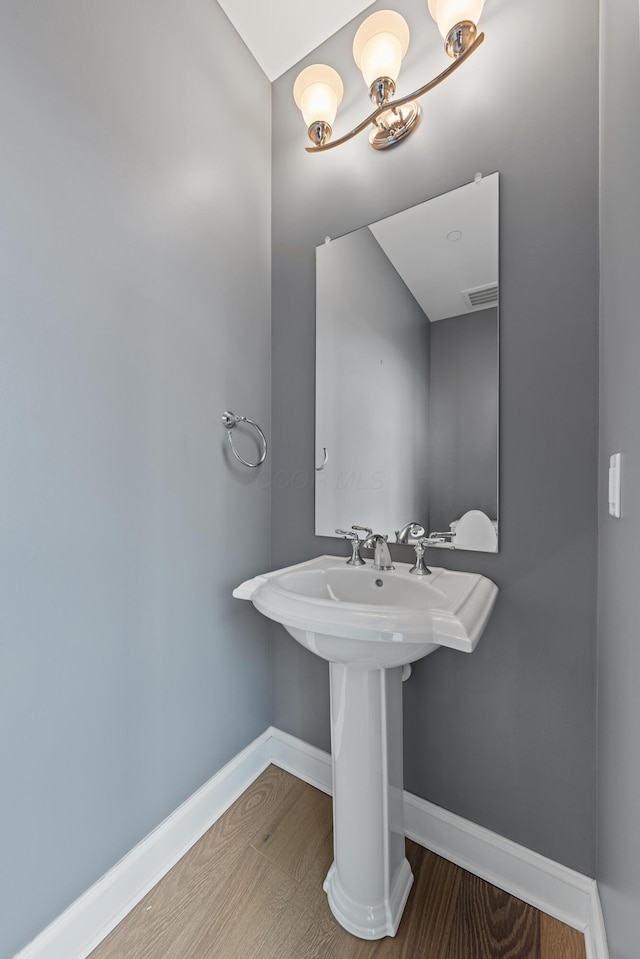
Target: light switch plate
<point x="614" y="485"/>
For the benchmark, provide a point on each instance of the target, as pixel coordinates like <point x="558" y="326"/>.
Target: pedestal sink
<point x="369" y="625"/>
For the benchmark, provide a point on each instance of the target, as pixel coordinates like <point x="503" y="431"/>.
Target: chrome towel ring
<point x="325" y="457"/>
<point x="229" y="421"/>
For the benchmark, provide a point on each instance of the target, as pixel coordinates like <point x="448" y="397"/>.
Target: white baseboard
<point x="550" y="887"/>
<point x="595" y="933"/>
<point x="306" y="762"/>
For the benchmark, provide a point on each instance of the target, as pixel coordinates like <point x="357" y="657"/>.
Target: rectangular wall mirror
<point x="407" y="372"/>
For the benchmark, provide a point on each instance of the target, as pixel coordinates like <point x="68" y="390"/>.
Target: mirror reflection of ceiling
<point x="439" y="249"/>
<point x="282" y="32"/>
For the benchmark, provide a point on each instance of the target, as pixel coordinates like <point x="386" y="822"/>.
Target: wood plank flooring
<point x="251" y="888"/>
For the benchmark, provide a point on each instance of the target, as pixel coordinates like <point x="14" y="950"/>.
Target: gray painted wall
<point x="134" y="308"/>
<point x="463" y="417"/>
<point x="505" y="736"/>
<point x="619" y="651"/>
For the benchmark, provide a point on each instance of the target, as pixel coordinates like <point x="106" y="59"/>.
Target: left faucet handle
<point x="364" y="529"/>
<point x="355" y="559"/>
<point x="346" y="534"/>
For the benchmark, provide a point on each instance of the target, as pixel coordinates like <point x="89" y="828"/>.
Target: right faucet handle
<point x="420" y="569"/>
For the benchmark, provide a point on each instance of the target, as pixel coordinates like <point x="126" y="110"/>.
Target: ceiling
<point x="281" y="32"/>
<point x="446" y="246"/>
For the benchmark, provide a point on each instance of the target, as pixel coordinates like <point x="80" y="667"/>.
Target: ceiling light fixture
<point x="379" y="46"/>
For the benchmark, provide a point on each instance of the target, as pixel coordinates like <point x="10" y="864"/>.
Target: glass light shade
<point x="318" y="92"/>
<point x="447" y="13"/>
<point x="380" y="44"/>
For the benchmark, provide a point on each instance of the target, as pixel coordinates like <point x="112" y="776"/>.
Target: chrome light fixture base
<point x="394" y="124"/>
<point x="319" y="133"/>
<point x="460" y="38"/>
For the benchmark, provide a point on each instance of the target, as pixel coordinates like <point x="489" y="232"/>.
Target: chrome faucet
<point x="356" y="543"/>
<point x="409" y="532"/>
<point x="381" y="555"/>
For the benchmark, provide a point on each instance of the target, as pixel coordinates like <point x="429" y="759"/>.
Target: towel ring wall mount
<point x="230" y="421"/>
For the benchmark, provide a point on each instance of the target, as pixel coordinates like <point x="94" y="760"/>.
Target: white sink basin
<point x="372" y="619"/>
<point x="369" y="624"/>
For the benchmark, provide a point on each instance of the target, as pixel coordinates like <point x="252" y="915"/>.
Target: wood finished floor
<point x="252" y="887"/>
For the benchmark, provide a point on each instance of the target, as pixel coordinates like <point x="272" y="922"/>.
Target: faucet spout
<point x="381" y="555"/>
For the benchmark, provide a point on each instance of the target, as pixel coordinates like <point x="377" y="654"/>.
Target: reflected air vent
<point x="481" y="297"/>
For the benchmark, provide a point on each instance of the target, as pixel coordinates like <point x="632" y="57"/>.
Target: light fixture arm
<point x="395" y="104"/>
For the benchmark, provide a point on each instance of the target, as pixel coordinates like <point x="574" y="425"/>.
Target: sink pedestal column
<point x="369" y="881"/>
